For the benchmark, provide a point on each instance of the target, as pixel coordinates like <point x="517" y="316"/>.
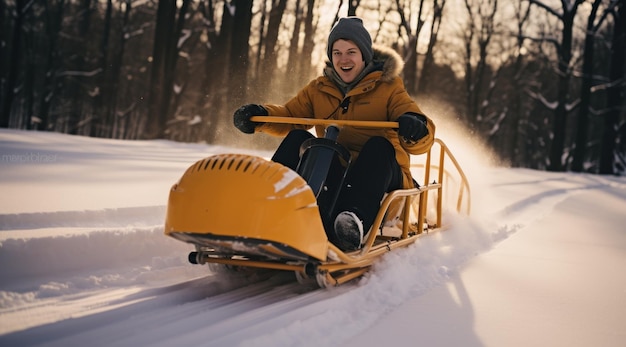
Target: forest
<point x="540" y="82"/>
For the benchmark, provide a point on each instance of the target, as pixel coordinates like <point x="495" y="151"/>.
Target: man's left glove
<point x="412" y="126"/>
<point x="242" y="116"/>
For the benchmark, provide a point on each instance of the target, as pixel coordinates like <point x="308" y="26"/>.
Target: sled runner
<point x="245" y="211"/>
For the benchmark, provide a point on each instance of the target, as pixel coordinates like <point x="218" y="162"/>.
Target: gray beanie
<point x="351" y="28"/>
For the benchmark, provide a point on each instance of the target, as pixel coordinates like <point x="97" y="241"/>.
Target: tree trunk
<point x="76" y="86"/>
<point x="101" y="108"/>
<point x="518" y="112"/>
<point x="271" y="39"/>
<point x="239" y="60"/>
<point x="429" y="59"/>
<point x="585" y="92"/>
<point x="157" y="115"/>
<point x="410" y="49"/>
<point x="48" y="90"/>
<point x="14" y="61"/>
<point x="217" y="67"/>
<point x="564" y="51"/>
<point x="304" y="70"/>
<point x="111" y="95"/>
<point x="4" y="65"/>
<point x="616" y="93"/>
<point x="294" y="50"/>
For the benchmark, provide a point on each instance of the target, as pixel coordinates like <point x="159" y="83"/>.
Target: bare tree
<point x="308" y="45"/>
<point x="103" y="84"/>
<point x="582" y="125"/>
<point x="239" y="60"/>
<point x="480" y="31"/>
<point x="294" y="42"/>
<point x="166" y="15"/>
<point x="518" y="118"/>
<point x="410" y="49"/>
<point x="117" y="126"/>
<point x="300" y="47"/>
<point x="21" y="7"/>
<point x="615" y="95"/>
<point x="215" y="93"/>
<point x="270" y="59"/>
<point x="4" y="123"/>
<point x="564" y="73"/>
<point x="429" y="60"/>
<point x="79" y="114"/>
<point x="53" y="23"/>
<point x="164" y="59"/>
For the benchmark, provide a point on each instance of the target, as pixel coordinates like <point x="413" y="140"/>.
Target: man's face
<point x="347" y="60"/>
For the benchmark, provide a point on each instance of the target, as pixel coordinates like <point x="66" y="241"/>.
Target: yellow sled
<point x="246" y="211"/>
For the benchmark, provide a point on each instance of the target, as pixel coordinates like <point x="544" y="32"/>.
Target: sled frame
<point x="341" y="267"/>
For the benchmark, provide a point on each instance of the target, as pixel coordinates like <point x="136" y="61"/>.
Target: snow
<point x="83" y="261"/>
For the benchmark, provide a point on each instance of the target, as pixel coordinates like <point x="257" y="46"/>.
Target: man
<point x="359" y="82"/>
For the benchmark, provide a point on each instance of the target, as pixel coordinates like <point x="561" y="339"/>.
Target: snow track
<point x="84" y="262"/>
<point x="214" y="306"/>
<point x="123" y="286"/>
<point x="117" y="217"/>
<point x="120" y="282"/>
<point x="127" y="274"/>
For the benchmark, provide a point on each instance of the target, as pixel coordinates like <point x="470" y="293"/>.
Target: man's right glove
<point x="242" y="116"/>
<point x="412" y="126"/>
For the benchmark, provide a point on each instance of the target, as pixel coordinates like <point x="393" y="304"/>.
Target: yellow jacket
<point x="379" y="96"/>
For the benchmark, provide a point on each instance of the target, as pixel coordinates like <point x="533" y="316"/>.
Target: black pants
<point x="374" y="173"/>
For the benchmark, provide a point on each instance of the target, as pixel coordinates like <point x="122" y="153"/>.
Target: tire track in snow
<point x="532" y="208"/>
<point x="89" y="252"/>
<point x="196" y="305"/>
<point x="221" y="320"/>
<point x="115" y="217"/>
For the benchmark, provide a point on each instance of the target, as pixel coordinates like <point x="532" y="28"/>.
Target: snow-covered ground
<point x="84" y="262"/>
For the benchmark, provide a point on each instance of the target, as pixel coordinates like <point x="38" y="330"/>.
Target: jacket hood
<point x="384" y="59"/>
<point x="392" y="63"/>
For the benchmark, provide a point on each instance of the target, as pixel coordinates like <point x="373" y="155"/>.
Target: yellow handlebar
<point x="327" y="122"/>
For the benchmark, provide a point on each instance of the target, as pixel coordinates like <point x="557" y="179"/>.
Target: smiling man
<point x="349" y="48"/>
<point x="359" y="82"/>
<point x="347" y="60"/>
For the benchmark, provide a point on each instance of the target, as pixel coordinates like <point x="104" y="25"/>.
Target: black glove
<point x="241" y="118"/>
<point x="412" y="126"/>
